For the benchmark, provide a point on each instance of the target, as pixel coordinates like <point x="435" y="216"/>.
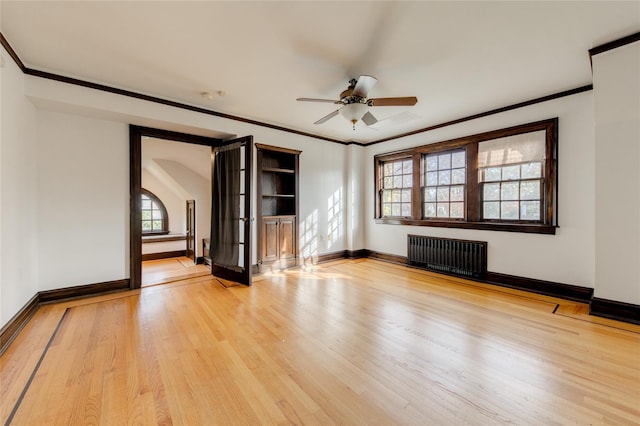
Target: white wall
<point x="18" y="192"/>
<point x="83" y="200"/>
<point x="568" y="256"/>
<point x="90" y="124"/>
<point x="616" y="81"/>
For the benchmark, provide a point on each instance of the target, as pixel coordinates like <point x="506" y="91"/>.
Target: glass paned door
<point x="231" y="210"/>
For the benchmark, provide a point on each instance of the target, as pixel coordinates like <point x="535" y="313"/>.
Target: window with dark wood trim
<point x="502" y="180"/>
<point x="155" y="220"/>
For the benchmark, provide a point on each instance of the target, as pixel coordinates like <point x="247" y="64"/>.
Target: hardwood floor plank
<point x="348" y="342"/>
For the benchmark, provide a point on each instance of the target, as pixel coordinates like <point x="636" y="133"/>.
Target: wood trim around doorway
<point x="135" y="188"/>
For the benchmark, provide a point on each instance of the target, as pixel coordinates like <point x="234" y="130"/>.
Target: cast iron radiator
<point x="458" y="257"/>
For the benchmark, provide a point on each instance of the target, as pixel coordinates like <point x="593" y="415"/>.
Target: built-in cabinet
<point x="277" y="207"/>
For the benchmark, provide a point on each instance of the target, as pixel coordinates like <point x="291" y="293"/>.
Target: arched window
<point x="154" y="214"/>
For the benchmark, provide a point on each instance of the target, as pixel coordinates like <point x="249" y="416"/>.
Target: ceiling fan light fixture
<point x="354" y="112"/>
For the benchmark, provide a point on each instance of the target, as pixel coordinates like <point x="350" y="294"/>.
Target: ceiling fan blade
<point x="364" y="85"/>
<point x="403" y="101"/>
<point x="369" y="119"/>
<point x="327" y="117"/>
<point x="330" y="101"/>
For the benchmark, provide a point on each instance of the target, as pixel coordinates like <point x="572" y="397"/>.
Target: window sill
<point x="160" y="238"/>
<point x="485" y="226"/>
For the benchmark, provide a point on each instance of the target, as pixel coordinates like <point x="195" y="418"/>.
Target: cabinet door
<point x="287" y="237"/>
<point x="269" y="239"/>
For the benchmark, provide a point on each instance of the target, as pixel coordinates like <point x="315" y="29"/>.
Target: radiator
<point x="458" y="257"/>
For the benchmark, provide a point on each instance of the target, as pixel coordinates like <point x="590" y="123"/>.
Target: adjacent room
<point x="309" y="212"/>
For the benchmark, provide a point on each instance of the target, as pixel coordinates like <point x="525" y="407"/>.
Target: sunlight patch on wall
<point x="309" y="239"/>
<point x="335" y="230"/>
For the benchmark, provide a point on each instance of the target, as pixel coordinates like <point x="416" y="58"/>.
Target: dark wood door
<point x="230" y="249"/>
<point x="269" y="239"/>
<point x="191" y="230"/>
<point x="286" y="237"/>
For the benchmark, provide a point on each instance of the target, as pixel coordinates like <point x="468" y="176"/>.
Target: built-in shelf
<point x="275" y="170"/>
<point x="278" y="206"/>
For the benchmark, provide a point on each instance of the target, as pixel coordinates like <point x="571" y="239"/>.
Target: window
<point x="501" y="180"/>
<point x="511" y="177"/>
<point x="444" y="184"/>
<point x="396" y="187"/>
<point x="154" y="215"/>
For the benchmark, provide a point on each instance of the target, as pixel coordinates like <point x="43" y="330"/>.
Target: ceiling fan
<point x="355" y="103"/>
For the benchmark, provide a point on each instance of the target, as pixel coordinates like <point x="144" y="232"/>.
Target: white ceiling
<point x="458" y="58"/>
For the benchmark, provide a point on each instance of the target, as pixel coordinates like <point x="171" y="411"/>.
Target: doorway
<point x="186" y="264"/>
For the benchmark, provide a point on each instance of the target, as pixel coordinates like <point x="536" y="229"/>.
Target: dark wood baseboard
<point x="199" y="260"/>
<point x="612" y="309"/>
<point x="328" y="257"/>
<point x="11" y="329"/>
<point x="357" y="254"/>
<point x="548" y="288"/>
<point x="80" y="291"/>
<point x="163" y="255"/>
<point x="402" y="260"/>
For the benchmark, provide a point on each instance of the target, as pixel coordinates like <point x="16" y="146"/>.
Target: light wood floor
<point x="350" y="342"/>
<point x="162" y="271"/>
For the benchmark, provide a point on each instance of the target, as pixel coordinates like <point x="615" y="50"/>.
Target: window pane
<point x="146" y="225"/>
<point x="157" y="214"/>
<point x="146" y="203"/>
<point x="395" y="209"/>
<point x="509" y="191"/>
<point x="511" y="173"/>
<point x="492" y="174"/>
<point x="407" y="181"/>
<point x="406" y="209"/>
<point x="386" y="196"/>
<point x="530" y="190"/>
<point x="397" y="168"/>
<point x="388" y="169"/>
<point x="430" y="209"/>
<point x="396" y="195"/>
<point x="157" y="225"/>
<point x="386" y="209"/>
<point x="510" y="210"/>
<point x="531" y="170"/>
<point x="432" y="163"/>
<point x="146" y="214"/>
<point x="432" y="178"/>
<point x="458" y="176"/>
<point x="444" y="177"/>
<point x="397" y="181"/>
<point x="491" y="191"/>
<point x="388" y="182"/>
<point x="457" y="210"/>
<point x="444" y="161"/>
<point x="443" y="193"/>
<point x="406" y="195"/>
<point x="458" y="160"/>
<point x="407" y="167"/>
<point x="491" y="210"/>
<point x="430" y="194"/>
<point x="530" y="210"/>
<point x="457" y="193"/>
<point x="443" y="210"/>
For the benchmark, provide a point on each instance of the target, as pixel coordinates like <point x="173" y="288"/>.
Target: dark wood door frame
<point x="135" y="186"/>
<point x="191" y="231"/>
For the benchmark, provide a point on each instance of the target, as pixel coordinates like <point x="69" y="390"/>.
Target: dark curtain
<point x="225" y="212"/>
